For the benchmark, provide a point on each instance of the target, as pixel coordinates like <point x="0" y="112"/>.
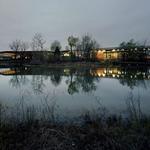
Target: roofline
<point x="101" y="48"/>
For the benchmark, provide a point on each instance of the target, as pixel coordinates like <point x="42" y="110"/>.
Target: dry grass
<point x="95" y="133"/>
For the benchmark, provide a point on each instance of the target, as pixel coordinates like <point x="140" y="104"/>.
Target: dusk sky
<point x="108" y="21"/>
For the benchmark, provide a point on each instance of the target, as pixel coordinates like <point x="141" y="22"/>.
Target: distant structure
<point x="101" y="54"/>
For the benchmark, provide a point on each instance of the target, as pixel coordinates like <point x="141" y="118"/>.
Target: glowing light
<point x="119" y="72"/>
<point x="66" y="55"/>
<point x="110" y="71"/>
<point x="99" y="75"/>
<point x="104" y="75"/>
<point x="114" y="75"/>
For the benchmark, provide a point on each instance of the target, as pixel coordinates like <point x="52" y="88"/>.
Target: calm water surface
<point x="74" y="91"/>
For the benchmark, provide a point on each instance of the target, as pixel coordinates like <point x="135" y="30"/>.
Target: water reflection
<point x="49" y="110"/>
<point x="130" y="77"/>
<point x="18" y="80"/>
<point x="38" y="84"/>
<point x="75" y="89"/>
<point x="77" y="80"/>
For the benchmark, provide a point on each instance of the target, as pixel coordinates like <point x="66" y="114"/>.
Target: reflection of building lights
<point x="113" y="75"/>
<point x="99" y="74"/>
<point x="113" y="50"/>
<point x="135" y="76"/>
<point x="131" y="76"/>
<point x="18" y="57"/>
<point x="110" y="71"/>
<point x="104" y="75"/>
<point x="8" y="72"/>
<point x="118" y="76"/>
<point x="66" y="70"/>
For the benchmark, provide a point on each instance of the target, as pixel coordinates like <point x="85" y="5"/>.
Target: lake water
<point x="70" y="92"/>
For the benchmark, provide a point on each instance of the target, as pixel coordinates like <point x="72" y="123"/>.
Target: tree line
<point x="85" y="47"/>
<point x="134" y="51"/>
<point x="86" y="44"/>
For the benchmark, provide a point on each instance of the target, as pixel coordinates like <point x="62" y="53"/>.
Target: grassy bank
<point x="29" y="130"/>
<point x="113" y="133"/>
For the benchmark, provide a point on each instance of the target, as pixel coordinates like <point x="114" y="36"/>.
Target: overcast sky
<point x="109" y="21"/>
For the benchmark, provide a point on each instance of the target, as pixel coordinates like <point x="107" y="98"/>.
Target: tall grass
<point x="37" y="128"/>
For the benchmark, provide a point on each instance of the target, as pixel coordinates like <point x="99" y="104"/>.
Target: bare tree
<point x="88" y="45"/>
<point x="23" y="47"/>
<point x="72" y="42"/>
<point x="15" y="46"/>
<point x="38" y="42"/>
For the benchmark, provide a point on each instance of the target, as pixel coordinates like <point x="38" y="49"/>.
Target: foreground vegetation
<point x="93" y="132"/>
<point x="112" y="134"/>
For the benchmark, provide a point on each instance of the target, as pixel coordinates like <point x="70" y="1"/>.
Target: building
<point x="101" y="54"/>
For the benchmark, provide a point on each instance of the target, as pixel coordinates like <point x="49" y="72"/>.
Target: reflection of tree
<point x="87" y="82"/>
<point x="38" y="83"/>
<point x="82" y="80"/>
<point x="56" y="76"/>
<point x="56" y="79"/>
<point x="73" y="88"/>
<point x="133" y="78"/>
<point x="18" y="80"/>
<point x="128" y="81"/>
<point x="72" y="84"/>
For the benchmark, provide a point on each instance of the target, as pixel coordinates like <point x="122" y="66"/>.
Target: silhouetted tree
<point x="15" y="46"/>
<point x="88" y="45"/>
<point x="56" y="47"/>
<point x="38" y="42"/>
<point x="72" y="42"/>
<point x="23" y="47"/>
<point x="134" y="51"/>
